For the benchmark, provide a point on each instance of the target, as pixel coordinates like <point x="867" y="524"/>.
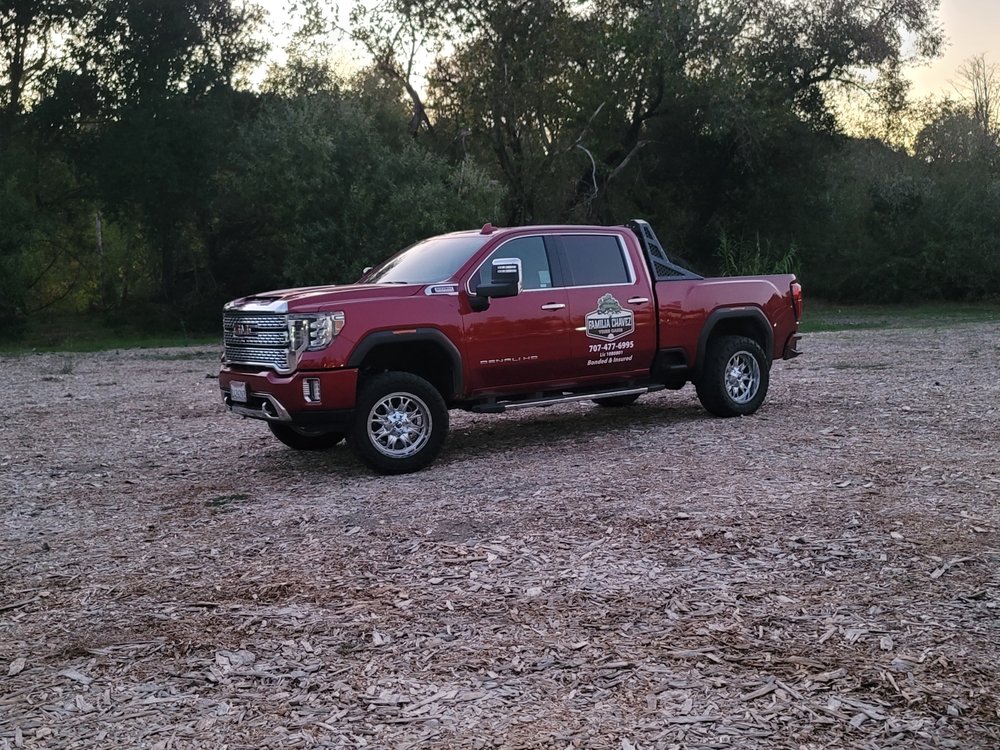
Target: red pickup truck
<point x="497" y="319"/>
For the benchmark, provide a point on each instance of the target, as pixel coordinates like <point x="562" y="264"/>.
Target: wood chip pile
<point x="825" y="574"/>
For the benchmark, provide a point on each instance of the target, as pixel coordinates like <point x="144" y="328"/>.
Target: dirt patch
<point x="823" y="574"/>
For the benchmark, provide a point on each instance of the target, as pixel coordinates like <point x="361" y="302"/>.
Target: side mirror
<point x="505" y="281"/>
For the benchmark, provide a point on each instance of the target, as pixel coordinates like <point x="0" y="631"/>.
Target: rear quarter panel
<point x="685" y="306"/>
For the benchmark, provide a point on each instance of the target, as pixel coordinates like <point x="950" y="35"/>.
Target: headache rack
<point x="656" y="258"/>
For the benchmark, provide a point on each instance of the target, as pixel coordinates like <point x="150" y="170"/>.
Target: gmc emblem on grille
<point x="242" y="329"/>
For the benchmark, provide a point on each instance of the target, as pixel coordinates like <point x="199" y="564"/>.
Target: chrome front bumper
<point x="259" y="406"/>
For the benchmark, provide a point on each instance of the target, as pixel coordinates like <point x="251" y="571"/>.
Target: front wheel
<point x="305" y="440"/>
<point x="734" y="378"/>
<point x="400" y="423"/>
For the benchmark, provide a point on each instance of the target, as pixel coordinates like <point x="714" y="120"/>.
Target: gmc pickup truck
<point x="497" y="319"/>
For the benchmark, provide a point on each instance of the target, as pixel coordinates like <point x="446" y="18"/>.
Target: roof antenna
<point x="487" y="228"/>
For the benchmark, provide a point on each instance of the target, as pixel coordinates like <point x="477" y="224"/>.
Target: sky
<point x="971" y="27"/>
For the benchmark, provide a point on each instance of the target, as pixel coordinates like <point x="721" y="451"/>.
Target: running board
<point x="497" y="407"/>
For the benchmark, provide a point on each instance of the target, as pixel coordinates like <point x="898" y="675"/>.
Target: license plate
<point x="238" y="391"/>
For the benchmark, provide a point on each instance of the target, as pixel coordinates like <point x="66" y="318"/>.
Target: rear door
<point x="523" y="340"/>
<point x="612" y="313"/>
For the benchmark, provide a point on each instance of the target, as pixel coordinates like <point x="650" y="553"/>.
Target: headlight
<point x="314" y="332"/>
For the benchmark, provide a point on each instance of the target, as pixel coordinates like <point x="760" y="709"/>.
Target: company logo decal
<point x="243" y="329"/>
<point x="610" y="321"/>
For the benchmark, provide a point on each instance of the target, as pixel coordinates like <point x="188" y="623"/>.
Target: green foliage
<point x="319" y="188"/>
<point x="740" y="258"/>
<point x="45" y="251"/>
<point x="143" y="179"/>
<point x="901" y="229"/>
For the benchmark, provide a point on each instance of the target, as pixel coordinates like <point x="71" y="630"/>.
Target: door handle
<point x="637" y="300"/>
<point x="553" y="306"/>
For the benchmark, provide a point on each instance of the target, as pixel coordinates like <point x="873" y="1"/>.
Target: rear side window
<point x="593" y="260"/>
<point x="535" y="271"/>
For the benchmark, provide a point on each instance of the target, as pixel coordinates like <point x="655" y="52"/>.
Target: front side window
<point x="535" y="271"/>
<point x="594" y="260"/>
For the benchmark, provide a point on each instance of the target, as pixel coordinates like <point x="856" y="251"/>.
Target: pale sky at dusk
<point x="972" y="27"/>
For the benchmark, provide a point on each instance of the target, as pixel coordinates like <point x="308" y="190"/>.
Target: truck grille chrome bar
<point x="257" y="338"/>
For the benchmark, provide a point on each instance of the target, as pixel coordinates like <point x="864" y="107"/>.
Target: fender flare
<point x="410" y="336"/>
<point x="753" y="314"/>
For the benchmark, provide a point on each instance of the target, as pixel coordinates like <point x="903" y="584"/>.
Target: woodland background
<point x="149" y="171"/>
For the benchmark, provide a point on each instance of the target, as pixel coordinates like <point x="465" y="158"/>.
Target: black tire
<point x="616" y="402"/>
<point x="301" y="440"/>
<point x="400" y="423"/>
<point x="734" y="377"/>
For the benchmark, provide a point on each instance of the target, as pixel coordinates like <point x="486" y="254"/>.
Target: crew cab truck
<point x="492" y="320"/>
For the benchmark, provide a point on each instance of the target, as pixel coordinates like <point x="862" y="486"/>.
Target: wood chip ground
<point x="825" y="574"/>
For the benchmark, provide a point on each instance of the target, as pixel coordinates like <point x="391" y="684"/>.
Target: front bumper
<point x="283" y="398"/>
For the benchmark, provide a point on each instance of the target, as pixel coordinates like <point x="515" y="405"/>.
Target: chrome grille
<point x="245" y="355"/>
<point x="256" y="339"/>
<point x="259" y="338"/>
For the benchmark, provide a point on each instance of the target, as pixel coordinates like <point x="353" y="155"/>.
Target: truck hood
<point x="316" y="298"/>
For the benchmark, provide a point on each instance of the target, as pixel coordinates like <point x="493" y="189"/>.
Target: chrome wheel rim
<point x="742" y="377"/>
<point x="399" y="425"/>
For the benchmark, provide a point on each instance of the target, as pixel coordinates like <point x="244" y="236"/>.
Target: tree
<point x="124" y="55"/>
<point x="801" y="47"/>
<point x="394" y="39"/>
<point x="148" y="94"/>
<point x="28" y="34"/>
<point x="979" y="90"/>
<point x="321" y="186"/>
<point x="565" y="97"/>
<point x="505" y="94"/>
<point x="952" y="135"/>
<point x="46" y="239"/>
<point x="308" y="67"/>
<point x="965" y="129"/>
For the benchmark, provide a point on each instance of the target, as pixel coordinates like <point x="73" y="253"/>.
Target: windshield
<point x="436" y="259"/>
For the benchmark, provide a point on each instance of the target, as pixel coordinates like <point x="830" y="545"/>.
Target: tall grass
<point x="743" y="258"/>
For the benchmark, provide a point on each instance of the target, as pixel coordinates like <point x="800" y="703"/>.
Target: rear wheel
<point x="616" y="402"/>
<point x="305" y="440"/>
<point x="734" y="377"/>
<point x="400" y="423"/>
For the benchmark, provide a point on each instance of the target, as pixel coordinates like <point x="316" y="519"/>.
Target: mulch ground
<point x="824" y="574"/>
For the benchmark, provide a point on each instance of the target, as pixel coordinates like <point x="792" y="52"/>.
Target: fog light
<point x="310" y="390"/>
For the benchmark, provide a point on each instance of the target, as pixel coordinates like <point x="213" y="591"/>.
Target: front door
<point x="524" y="340"/>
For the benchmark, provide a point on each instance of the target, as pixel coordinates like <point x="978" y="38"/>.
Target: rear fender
<point x="745" y="321"/>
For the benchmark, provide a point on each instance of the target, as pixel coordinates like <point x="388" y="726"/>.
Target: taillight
<point x="797" y="300"/>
